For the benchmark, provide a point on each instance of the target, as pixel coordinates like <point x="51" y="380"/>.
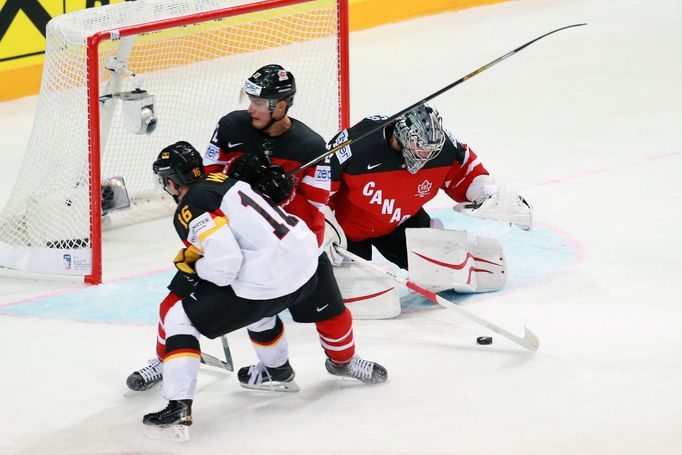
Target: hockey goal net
<point x="184" y="60"/>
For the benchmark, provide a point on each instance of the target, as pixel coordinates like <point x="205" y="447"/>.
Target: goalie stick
<point x="422" y="101"/>
<point x="529" y="340"/>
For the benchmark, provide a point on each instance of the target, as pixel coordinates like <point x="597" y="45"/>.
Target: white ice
<point x="585" y="122"/>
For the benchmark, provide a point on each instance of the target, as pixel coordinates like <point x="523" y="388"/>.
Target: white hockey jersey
<point x="247" y="241"/>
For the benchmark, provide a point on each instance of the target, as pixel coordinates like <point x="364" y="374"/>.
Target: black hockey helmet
<point x="273" y="83"/>
<point x="179" y="162"/>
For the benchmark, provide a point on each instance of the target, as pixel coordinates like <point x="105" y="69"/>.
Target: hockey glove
<point x="249" y="168"/>
<point x="504" y="205"/>
<point x="185" y="259"/>
<point x="333" y="237"/>
<point x="276" y="185"/>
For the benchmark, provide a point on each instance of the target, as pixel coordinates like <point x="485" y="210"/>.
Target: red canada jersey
<point x="235" y="136"/>
<point x="373" y="192"/>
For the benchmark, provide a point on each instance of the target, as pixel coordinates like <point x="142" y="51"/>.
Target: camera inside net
<point x="138" y="111"/>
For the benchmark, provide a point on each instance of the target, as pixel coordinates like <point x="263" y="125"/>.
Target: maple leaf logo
<point x="424" y="188"/>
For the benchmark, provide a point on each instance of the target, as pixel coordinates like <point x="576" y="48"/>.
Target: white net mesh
<point x="194" y="72"/>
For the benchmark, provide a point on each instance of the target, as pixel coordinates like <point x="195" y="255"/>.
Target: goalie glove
<point x="504" y="204"/>
<point x="276" y="185"/>
<point x="248" y="167"/>
<point x="333" y="237"/>
<point x="185" y="259"/>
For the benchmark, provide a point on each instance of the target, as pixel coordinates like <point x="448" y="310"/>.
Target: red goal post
<point x="184" y="60"/>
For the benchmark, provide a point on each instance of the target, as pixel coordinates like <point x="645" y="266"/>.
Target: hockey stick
<point x="392" y="118"/>
<point x="209" y="360"/>
<point x="529" y="340"/>
<point x="228" y="355"/>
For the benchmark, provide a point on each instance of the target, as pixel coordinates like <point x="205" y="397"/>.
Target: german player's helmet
<point x="273" y="83"/>
<point x="179" y="162"/>
<point x="420" y="135"/>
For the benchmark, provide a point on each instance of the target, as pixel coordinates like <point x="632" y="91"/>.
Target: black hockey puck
<point x="484" y="340"/>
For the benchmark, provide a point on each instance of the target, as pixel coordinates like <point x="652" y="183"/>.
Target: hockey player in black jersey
<point x="258" y="145"/>
<point x="248" y="260"/>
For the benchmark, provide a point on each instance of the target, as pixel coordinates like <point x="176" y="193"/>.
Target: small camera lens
<point x="151" y="125"/>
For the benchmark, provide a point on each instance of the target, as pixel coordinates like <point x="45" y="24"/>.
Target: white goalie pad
<point x="505" y="205"/>
<point x="459" y="260"/>
<point x="366" y="294"/>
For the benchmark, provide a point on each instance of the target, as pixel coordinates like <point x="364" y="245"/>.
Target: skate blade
<point x="178" y="433"/>
<point x="275" y="386"/>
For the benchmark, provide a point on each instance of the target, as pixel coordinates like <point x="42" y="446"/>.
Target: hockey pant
<point x="323" y="306"/>
<point x="269" y="339"/>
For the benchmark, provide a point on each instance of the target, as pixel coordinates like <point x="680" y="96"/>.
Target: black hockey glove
<point x="276" y="185"/>
<point x="249" y="168"/>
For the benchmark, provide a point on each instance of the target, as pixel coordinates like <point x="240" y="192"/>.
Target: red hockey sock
<point x="336" y="337"/>
<point x="170" y="300"/>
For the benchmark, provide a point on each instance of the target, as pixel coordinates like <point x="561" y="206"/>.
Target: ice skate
<point x="363" y="370"/>
<point x="178" y="412"/>
<point x="170" y="423"/>
<point x="147" y="377"/>
<point x="272" y="379"/>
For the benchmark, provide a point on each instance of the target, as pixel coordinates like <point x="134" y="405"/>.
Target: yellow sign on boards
<point x="22" y="27"/>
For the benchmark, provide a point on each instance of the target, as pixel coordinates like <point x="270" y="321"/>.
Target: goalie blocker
<point x="439" y="259"/>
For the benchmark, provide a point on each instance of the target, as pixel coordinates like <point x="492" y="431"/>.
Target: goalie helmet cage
<point x="183" y="60"/>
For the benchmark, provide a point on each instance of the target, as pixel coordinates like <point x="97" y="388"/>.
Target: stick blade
<point x="209" y="360"/>
<point x="532" y="341"/>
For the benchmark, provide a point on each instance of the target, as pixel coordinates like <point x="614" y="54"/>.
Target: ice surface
<point x="585" y="122"/>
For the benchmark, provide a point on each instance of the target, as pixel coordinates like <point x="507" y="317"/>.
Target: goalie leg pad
<point x="459" y="260"/>
<point x="367" y="295"/>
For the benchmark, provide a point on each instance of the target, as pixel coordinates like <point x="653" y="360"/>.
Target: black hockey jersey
<point x="235" y="135"/>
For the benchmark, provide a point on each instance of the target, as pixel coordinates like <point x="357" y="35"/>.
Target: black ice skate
<point x="147" y="377"/>
<point x="363" y="370"/>
<point x="171" y="423"/>
<point x="272" y="379"/>
<point x="178" y="412"/>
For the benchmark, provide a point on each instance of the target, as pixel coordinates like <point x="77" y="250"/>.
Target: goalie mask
<point x="179" y="162"/>
<point x="273" y="83"/>
<point x="420" y="135"/>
